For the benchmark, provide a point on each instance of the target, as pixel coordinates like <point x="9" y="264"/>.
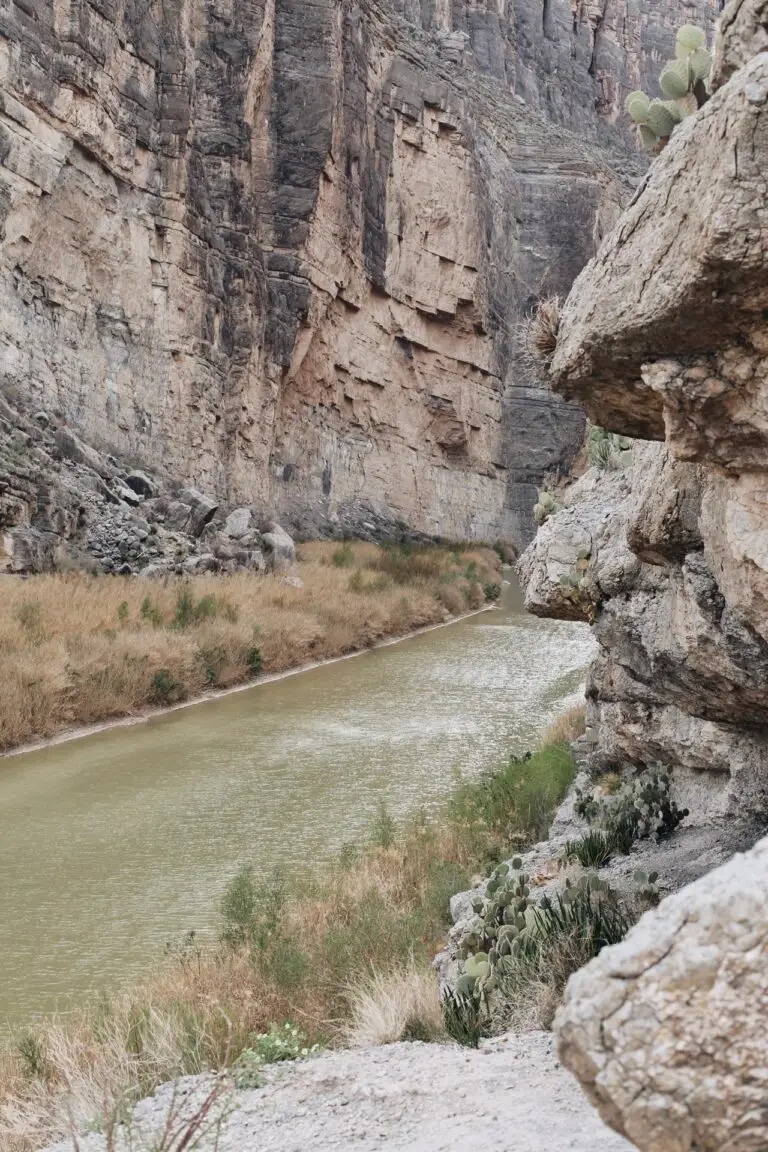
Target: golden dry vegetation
<point x="79" y="649"/>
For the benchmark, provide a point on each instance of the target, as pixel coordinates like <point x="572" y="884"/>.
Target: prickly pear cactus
<point x="684" y="83"/>
<point x="496" y="934"/>
<point x="546" y="506"/>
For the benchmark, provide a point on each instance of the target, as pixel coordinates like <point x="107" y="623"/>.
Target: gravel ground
<point x="510" y="1095"/>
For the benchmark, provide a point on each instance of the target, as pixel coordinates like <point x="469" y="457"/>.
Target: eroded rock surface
<point x="666" y="1031"/>
<point x="664" y="335"/>
<point x="279" y="250"/>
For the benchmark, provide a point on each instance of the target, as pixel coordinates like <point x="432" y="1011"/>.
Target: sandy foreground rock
<point x="512" y="1094"/>
<point x="666" y="1030"/>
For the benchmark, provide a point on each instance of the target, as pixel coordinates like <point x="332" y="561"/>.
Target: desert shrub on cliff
<point x="537" y="335"/>
<point x="608" y="450"/>
<point x="683" y="81"/>
<point x="639" y="808"/>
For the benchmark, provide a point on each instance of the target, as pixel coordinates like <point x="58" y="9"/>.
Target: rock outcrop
<point x="664" y="337"/>
<point x="666" y="1031"/>
<point x="278" y="251"/>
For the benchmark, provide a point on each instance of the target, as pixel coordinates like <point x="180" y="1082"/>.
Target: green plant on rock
<point x="463" y="1019"/>
<point x="495" y="932"/>
<point x="592" y="850"/>
<point x="546" y="506"/>
<point x="645" y="886"/>
<point x="642" y="808"/>
<point x="683" y="82"/>
<point x="608" y="450"/>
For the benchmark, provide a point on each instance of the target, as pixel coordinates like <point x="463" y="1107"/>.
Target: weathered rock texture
<point x="278" y="249"/>
<point x="666" y="1031"/>
<point x="664" y="336"/>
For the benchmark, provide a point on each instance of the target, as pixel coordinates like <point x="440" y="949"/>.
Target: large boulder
<point x="30" y="551"/>
<point x="71" y="447"/>
<point x="667" y="1030"/>
<point x="238" y="523"/>
<point x="280" y="548"/>
<point x="202" y="509"/>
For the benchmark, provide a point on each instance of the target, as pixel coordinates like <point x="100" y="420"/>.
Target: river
<point x="114" y="844"/>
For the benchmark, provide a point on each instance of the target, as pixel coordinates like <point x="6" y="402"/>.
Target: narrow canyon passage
<point x="113" y="845"/>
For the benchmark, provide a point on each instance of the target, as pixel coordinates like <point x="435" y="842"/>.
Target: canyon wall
<point x="664" y="337"/>
<point x="279" y="249"/>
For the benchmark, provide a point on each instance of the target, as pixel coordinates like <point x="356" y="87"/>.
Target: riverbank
<point x="84" y="651"/>
<point x="346" y="955"/>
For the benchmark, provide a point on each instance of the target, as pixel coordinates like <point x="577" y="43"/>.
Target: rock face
<point x="278" y="251"/>
<point x="666" y="1031"/>
<point x="664" y="336"/>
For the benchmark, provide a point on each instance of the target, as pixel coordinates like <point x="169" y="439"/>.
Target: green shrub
<point x="123" y="612"/>
<point x="213" y="660"/>
<point x="32" y="1053"/>
<point x="165" y="689"/>
<point x="462" y="1018"/>
<point x="30" y="617"/>
<point x="591" y="850"/>
<point x="151" y="612"/>
<point x="492" y="592"/>
<point x="280" y="1043"/>
<point x="444" y="880"/>
<point x="513" y="806"/>
<point x="384" y="828"/>
<point x="252" y="911"/>
<point x="343" y="557"/>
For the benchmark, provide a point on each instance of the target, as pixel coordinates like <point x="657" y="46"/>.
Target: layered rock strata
<point x="664" y="337"/>
<point x="279" y="250"/>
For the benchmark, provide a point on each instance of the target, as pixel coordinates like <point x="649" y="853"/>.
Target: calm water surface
<point x="112" y="845"/>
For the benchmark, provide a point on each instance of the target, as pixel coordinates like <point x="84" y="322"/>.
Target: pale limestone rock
<point x="281" y="551"/>
<point x="666" y="1031"/>
<point x="238" y="523"/>
<point x="741" y="34"/>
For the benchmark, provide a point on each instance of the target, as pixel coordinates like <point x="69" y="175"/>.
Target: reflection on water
<point x="114" y="844"/>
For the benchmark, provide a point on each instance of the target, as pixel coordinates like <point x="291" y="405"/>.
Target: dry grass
<point x="392" y="1006"/>
<point x="538" y="335"/>
<point x="567" y="727"/>
<point x="345" y="955"/>
<point x="80" y="649"/>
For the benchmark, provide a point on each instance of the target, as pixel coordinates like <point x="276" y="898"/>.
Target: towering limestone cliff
<point x="279" y="249"/>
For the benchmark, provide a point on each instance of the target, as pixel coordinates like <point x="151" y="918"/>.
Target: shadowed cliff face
<point x="279" y="249"/>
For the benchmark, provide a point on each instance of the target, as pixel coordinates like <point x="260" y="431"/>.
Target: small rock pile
<point x="64" y="506"/>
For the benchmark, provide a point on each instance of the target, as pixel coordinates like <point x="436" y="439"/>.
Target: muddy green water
<point x="113" y="845"/>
